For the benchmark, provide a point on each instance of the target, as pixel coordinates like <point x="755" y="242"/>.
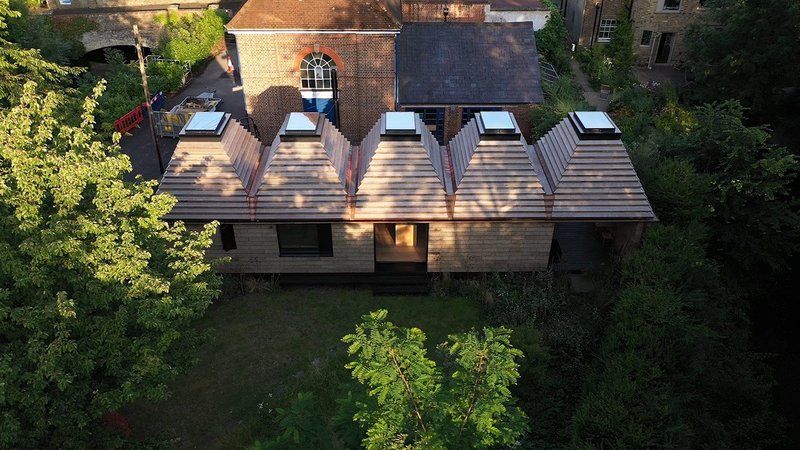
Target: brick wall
<point x="427" y="11"/>
<point x="257" y="251"/>
<point x="648" y="16"/>
<point x="489" y="246"/>
<point x="271" y="78"/>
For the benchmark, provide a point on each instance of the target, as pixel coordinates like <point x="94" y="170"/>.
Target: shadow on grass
<point x="268" y="347"/>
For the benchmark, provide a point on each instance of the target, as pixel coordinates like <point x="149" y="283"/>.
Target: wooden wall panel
<point x="489" y="246"/>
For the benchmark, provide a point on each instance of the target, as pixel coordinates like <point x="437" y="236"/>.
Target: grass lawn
<point x="267" y="347"/>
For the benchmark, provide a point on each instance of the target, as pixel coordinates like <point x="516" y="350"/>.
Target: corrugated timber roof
<point x="494" y="178"/>
<point x="304" y="179"/>
<point x="592" y="179"/>
<point x="400" y="179"/>
<point x="206" y="173"/>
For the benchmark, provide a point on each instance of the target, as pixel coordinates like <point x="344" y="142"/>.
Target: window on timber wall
<point x="305" y="239"/>
<point x="315" y="71"/>
<point x="607" y="27"/>
<point x="670" y="5"/>
<point x="647" y="36"/>
<point x="468" y="113"/>
<point x="433" y="118"/>
<point x="228" y="237"/>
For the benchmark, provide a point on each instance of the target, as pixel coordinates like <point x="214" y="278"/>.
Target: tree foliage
<point x="416" y="405"/>
<point x="19" y="65"/>
<point x="192" y="37"/>
<point x="551" y="40"/>
<point x="674" y="364"/>
<point x="747" y="50"/>
<point x="98" y="292"/>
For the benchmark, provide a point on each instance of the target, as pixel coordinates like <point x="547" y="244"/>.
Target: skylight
<point x="497" y="122"/>
<point x="595" y="121"/>
<point x="302" y="123"/>
<point x="205" y="124"/>
<point x="401" y="123"/>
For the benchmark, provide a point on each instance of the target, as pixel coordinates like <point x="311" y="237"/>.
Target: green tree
<point x="746" y="50"/>
<point x="551" y="40"/>
<point x="755" y="221"/>
<point x="18" y="65"/>
<point x="417" y="406"/>
<point x="620" y="52"/>
<point x="98" y="292"/>
<point x="192" y="37"/>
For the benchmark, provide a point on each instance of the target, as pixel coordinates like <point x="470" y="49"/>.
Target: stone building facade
<point x="659" y="26"/>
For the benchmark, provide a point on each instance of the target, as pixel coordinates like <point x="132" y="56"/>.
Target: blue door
<point x="322" y="105"/>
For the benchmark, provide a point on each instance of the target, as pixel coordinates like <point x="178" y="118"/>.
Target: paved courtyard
<point x="139" y="144"/>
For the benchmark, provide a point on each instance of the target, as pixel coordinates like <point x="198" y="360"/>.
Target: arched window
<point x="315" y="71"/>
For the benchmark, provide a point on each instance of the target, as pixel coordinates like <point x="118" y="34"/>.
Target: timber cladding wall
<point x="271" y="77"/>
<point x="489" y="246"/>
<point x="257" y="251"/>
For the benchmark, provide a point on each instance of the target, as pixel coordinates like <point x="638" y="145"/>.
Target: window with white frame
<point x="607" y="27"/>
<point x="315" y="71"/>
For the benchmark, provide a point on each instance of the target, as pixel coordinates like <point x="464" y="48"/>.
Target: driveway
<point x="139" y="144"/>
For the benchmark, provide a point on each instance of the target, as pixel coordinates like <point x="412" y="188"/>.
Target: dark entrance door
<point x="401" y="247"/>
<point x="664" y="48"/>
<point x="320" y="102"/>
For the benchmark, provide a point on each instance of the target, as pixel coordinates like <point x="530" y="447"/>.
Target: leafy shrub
<point x="551" y="41"/>
<point x="515" y="300"/>
<point x="561" y="98"/>
<point x="57" y="41"/>
<point x="192" y="37"/>
<point x="164" y="76"/>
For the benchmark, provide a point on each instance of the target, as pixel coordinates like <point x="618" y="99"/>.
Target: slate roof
<point x="313" y="15"/>
<point x="456" y="63"/>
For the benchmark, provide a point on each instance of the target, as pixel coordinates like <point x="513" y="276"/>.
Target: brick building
<point x="288" y="50"/>
<point x="659" y="26"/>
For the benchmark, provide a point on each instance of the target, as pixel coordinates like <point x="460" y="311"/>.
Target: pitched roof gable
<point x="591" y="178"/>
<point x="304" y="178"/>
<point x="494" y="178"/>
<point x="208" y="175"/>
<point x="400" y="179"/>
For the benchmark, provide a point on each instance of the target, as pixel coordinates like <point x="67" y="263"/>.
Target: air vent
<point x="595" y="125"/>
<point x="206" y="124"/>
<point x="497" y="125"/>
<point x="302" y="126"/>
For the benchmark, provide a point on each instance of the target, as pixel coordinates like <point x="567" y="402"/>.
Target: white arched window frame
<point x="315" y="71"/>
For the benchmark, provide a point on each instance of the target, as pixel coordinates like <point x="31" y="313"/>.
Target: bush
<point x="192" y="38"/>
<point x="57" y="41"/>
<point x="551" y="41"/>
<point x="561" y="98"/>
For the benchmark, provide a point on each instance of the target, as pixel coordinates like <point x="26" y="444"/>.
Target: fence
<point x="130" y="120"/>
<point x="548" y="72"/>
<point x="170" y="124"/>
<point x="135" y="117"/>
